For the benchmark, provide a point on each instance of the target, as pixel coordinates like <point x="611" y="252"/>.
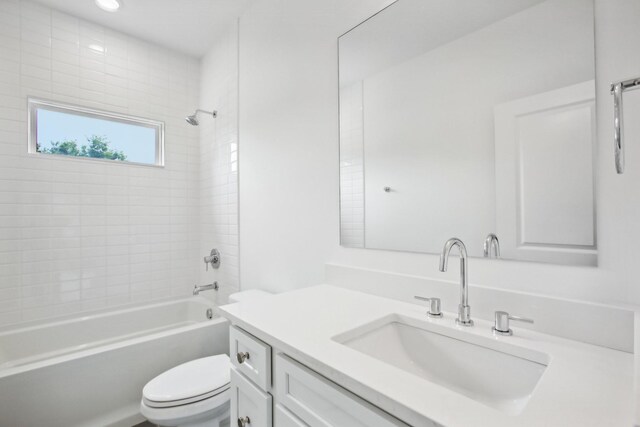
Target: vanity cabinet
<point x="284" y="418"/>
<point x="297" y="397"/>
<point x="250" y="406"/>
<point x="251" y="357"/>
<point x="320" y="402"/>
<point x="251" y="402"/>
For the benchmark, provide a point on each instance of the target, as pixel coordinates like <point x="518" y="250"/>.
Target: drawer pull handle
<point x="242" y="422"/>
<point x="242" y="357"/>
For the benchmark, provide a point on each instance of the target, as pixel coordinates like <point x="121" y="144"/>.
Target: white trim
<point x="35" y="104"/>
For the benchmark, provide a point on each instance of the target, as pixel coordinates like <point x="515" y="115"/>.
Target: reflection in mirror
<point x="468" y="118"/>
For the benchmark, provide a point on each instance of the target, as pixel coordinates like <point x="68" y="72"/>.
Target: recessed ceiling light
<point x="109" y="5"/>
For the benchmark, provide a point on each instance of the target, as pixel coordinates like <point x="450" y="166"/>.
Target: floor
<point x="148" y="424"/>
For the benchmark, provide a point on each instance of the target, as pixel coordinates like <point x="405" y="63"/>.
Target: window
<point x="67" y="130"/>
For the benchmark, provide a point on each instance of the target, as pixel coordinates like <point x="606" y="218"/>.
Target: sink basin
<point x="492" y="372"/>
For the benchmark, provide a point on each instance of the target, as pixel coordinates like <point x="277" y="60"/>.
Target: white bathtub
<point x="90" y="370"/>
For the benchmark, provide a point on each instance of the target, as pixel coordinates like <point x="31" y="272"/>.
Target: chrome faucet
<point x="197" y="289"/>
<point x="213" y="259"/>
<point x="501" y="324"/>
<point x="491" y="246"/>
<point x="464" y="311"/>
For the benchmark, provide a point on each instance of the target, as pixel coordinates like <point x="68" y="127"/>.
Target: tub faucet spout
<point x="197" y="289"/>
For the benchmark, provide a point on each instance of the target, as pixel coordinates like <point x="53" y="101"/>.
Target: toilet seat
<point x="188" y="383"/>
<point x="180" y="402"/>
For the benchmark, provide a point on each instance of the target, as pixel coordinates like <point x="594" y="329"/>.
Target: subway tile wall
<point x="351" y="166"/>
<point x="219" y="163"/>
<point x="81" y="235"/>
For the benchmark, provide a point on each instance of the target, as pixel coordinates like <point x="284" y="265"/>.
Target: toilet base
<point x="212" y="412"/>
<point x="221" y="421"/>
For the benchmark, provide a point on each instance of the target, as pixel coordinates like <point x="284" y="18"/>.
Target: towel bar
<point x="617" y="89"/>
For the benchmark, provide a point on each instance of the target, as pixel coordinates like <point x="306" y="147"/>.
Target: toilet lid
<point x="190" y="382"/>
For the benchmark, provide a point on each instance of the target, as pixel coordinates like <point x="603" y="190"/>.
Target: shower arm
<point x="214" y="113"/>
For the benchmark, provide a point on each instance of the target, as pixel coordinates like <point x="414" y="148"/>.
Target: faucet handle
<point x="434" y="306"/>
<point x="501" y="324"/>
<point x="213" y="259"/>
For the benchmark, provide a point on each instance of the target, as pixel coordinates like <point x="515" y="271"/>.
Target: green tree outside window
<point x="97" y="148"/>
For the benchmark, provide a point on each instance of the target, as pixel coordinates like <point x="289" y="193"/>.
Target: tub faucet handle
<point x="244" y="421"/>
<point x="213" y="259"/>
<point x="434" y="306"/>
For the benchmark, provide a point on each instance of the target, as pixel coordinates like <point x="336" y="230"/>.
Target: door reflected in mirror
<point x="468" y="118"/>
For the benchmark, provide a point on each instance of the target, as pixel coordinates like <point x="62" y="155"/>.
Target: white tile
<point x="32" y="35"/>
<point x="65" y="22"/>
<point x="65" y="35"/>
<point x="64" y="46"/>
<point x="94" y="226"/>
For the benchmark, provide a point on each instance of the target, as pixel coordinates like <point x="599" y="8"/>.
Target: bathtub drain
<point x="209" y="313"/>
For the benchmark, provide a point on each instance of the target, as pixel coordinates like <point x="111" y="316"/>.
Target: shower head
<point x="193" y="119"/>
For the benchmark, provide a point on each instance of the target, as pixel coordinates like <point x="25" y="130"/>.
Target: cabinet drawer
<point x="284" y="418"/>
<point x="321" y="403"/>
<point x="249" y="403"/>
<point x="250" y="356"/>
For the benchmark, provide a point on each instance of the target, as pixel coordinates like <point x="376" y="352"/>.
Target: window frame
<point x="35" y="104"/>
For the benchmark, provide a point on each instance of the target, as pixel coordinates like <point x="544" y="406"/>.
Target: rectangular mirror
<point x="469" y="118"/>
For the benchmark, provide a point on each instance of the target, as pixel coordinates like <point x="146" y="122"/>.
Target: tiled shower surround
<point x="351" y="166"/>
<point x="79" y="235"/>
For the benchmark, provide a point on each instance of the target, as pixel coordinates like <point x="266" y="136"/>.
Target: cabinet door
<point x="250" y="406"/>
<point x="284" y="418"/>
<point x="251" y="357"/>
<point x="321" y="403"/>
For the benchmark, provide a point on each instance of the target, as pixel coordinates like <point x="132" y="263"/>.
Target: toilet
<point x="196" y="393"/>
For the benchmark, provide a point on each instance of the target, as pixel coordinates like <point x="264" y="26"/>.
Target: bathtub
<point x="90" y="370"/>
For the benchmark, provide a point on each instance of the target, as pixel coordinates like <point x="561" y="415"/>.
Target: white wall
<point x="219" y="163"/>
<point x="289" y="133"/>
<point x="78" y="235"/>
<point x="289" y="186"/>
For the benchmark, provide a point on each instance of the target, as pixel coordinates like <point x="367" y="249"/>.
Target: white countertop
<point x="584" y="385"/>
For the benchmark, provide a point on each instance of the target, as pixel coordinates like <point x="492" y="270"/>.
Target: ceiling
<point x="189" y="26"/>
